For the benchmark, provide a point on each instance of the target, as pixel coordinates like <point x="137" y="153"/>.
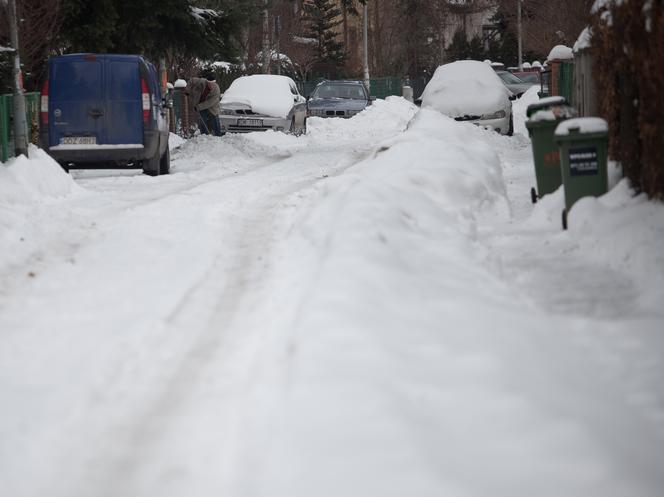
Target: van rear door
<point x="76" y="100"/>
<point x="124" y="114"/>
<point x="95" y="100"/>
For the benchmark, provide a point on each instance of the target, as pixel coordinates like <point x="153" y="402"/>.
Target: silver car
<point x="338" y="99"/>
<point x="261" y="102"/>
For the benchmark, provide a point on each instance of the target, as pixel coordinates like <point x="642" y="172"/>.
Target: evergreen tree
<point x="321" y="17"/>
<point x="156" y="27"/>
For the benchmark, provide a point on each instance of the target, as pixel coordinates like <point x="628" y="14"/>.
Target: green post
<point x="583" y="146"/>
<point x="543" y="117"/>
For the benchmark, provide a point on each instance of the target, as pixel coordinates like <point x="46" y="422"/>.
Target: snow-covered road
<point x="372" y="309"/>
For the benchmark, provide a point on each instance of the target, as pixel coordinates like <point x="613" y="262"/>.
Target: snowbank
<point x="625" y="231"/>
<point x="26" y="186"/>
<point x="619" y="229"/>
<point x="175" y="141"/>
<point x="266" y="94"/>
<point x="24" y="180"/>
<point x="407" y="368"/>
<point x="520" y="106"/>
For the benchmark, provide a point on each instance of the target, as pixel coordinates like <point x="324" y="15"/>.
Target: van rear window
<point x="124" y="82"/>
<point x="76" y="80"/>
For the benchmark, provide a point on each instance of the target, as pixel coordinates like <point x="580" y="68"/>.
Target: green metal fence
<point x="566" y="81"/>
<point x="384" y="87"/>
<point x="32" y="104"/>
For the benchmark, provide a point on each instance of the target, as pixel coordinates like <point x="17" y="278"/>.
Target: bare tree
<point x="547" y="23"/>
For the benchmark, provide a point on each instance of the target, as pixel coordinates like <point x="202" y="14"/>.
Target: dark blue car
<point x="338" y="99"/>
<point x="105" y="111"/>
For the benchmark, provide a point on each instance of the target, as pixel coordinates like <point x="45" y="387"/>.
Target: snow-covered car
<point x="263" y="101"/>
<point x="338" y="99"/>
<point x="469" y="90"/>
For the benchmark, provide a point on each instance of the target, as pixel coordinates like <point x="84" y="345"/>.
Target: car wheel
<point x="151" y="166"/>
<point x="510" y="130"/>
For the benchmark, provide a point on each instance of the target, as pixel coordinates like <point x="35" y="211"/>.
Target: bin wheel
<point x="533" y="195"/>
<point x="564" y="219"/>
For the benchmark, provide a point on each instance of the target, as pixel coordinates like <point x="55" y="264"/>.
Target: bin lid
<point x="551" y="114"/>
<point x="582" y="125"/>
<point x="545" y="103"/>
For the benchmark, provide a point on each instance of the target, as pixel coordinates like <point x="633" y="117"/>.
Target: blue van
<point x="105" y="111"/>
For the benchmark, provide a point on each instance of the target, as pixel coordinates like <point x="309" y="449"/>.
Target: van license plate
<point x="78" y="140"/>
<point x="250" y="122"/>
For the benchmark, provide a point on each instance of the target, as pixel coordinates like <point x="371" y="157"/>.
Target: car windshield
<point x="530" y="78"/>
<point x="332" y="90"/>
<point x="510" y="78"/>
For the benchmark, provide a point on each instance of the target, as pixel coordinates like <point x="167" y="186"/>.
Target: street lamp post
<point x="20" y="123"/>
<point x="365" y="46"/>
<point x="518" y="28"/>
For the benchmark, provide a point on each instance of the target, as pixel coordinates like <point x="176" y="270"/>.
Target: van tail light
<point x="44" y="103"/>
<point x="145" y="97"/>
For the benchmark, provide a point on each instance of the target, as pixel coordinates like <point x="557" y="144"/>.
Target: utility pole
<point x="365" y="46"/>
<point x="277" y="32"/>
<point x="266" y="40"/>
<point x="518" y="29"/>
<point x="20" y="124"/>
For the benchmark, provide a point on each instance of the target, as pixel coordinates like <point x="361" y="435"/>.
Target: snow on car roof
<point x="267" y="94"/>
<point x="466" y="87"/>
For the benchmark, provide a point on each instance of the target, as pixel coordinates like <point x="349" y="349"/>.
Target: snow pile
<point x="26" y="186"/>
<point x="266" y="94"/>
<point x="24" y="180"/>
<point x="625" y="231"/>
<point x="465" y="87"/>
<point x="520" y="106"/>
<point x="560" y="52"/>
<point x="620" y="229"/>
<point x="175" y="141"/>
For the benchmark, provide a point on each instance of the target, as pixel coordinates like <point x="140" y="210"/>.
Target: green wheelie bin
<point x="543" y="117"/>
<point x="583" y="144"/>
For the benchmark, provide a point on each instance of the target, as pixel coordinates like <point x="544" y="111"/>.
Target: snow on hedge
<point x="584" y="40"/>
<point x="560" y="52"/>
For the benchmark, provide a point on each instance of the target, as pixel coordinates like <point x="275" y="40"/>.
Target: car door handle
<point x="95" y="113"/>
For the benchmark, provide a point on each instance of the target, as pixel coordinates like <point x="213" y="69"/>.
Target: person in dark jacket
<point x="205" y="95"/>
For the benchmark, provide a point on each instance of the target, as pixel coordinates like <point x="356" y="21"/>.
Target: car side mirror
<point x="372" y="98"/>
<point x="512" y="97"/>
